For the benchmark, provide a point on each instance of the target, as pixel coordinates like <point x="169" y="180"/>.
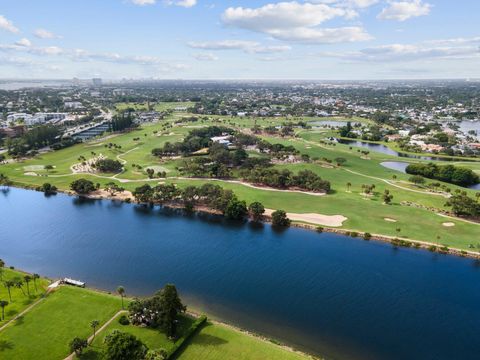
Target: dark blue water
<point x="332" y="295"/>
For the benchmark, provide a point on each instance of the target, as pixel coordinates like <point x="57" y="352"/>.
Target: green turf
<point x="154" y="339"/>
<point x="364" y="214"/>
<point x="218" y="342"/>
<point x="20" y="298"/>
<point x="45" y="332"/>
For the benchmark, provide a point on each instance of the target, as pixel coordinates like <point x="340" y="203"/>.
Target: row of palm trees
<point x="18" y="283"/>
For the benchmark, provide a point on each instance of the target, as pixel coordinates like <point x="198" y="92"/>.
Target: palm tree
<point x="94" y="324"/>
<point x="35" y="277"/>
<point x="3" y="303"/>
<point x="18" y="284"/>
<point x="27" y="279"/>
<point x="9" y="284"/>
<point x="349" y="185"/>
<point x="121" y="292"/>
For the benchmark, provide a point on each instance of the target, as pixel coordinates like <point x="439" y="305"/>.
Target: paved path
<point x="90" y="339"/>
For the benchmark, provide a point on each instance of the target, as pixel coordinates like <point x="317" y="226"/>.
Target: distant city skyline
<point x="240" y="39"/>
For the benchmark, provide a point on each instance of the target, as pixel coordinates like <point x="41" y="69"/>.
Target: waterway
<point x="330" y="295"/>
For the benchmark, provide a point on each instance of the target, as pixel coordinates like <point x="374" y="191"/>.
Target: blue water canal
<point x="339" y="297"/>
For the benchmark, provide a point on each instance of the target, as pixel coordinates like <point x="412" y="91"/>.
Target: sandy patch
<point x="34" y="167"/>
<point x="448" y="224"/>
<point x="312" y="218"/>
<point x="30" y="174"/>
<point x="390" y="220"/>
<point x="158" y="168"/>
<point x="102" y="194"/>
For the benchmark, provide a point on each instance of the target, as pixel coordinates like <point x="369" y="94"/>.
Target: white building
<point x="73" y="105"/>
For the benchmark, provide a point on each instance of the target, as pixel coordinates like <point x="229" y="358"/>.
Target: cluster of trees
<point x="447" y="173"/>
<point x="83" y="186"/>
<point x="35" y="138"/>
<point x="48" y="189"/>
<point x="209" y="195"/>
<point x="463" y="205"/>
<point x="159" y="311"/>
<point x="346" y="131"/>
<point x="197" y="139"/>
<point x="108" y="166"/>
<point x="284" y="179"/>
<point x="122" y="122"/>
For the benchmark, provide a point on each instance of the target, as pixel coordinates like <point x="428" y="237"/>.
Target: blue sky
<point x="240" y="39"/>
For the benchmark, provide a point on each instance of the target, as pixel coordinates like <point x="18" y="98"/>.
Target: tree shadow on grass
<point x="6" y="345"/>
<point x="19" y="321"/>
<point x="27" y="301"/>
<point x="200" y="339"/>
<point x="92" y="353"/>
<point x="11" y="312"/>
<point x="207" y="339"/>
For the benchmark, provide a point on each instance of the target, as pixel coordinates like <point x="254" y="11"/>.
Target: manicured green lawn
<point x="218" y="342"/>
<point x="44" y="333"/>
<point x="152" y="338"/>
<point x="19" y="297"/>
<point x="364" y="214"/>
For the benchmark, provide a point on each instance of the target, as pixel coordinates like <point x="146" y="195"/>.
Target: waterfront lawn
<point x="219" y="342"/>
<point x="44" y="333"/>
<point x="20" y="299"/>
<point x="154" y="339"/>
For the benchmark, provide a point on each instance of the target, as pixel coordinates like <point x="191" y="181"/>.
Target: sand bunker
<point x="448" y="224"/>
<point x="390" y="220"/>
<point x="318" y="219"/>
<point x="34" y="167"/>
<point x="157" y="168"/>
<point x="30" y="174"/>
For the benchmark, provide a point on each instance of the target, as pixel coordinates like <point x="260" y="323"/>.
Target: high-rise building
<point x="97" y="82"/>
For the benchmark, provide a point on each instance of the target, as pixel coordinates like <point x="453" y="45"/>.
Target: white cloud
<point x="348" y="3"/>
<point x="45" y="34"/>
<point x="404" y="10"/>
<point x="7" y="25"/>
<point x="251" y="47"/>
<point x="322" y="35"/>
<point x="293" y="21"/>
<point x="205" y="57"/>
<point x="284" y="15"/>
<point x="24" y="42"/>
<point x="144" y="2"/>
<point x="461" y="48"/>
<point x="182" y="3"/>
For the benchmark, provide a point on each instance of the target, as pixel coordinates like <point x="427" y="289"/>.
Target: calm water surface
<point x="331" y="295"/>
<point x="386" y="150"/>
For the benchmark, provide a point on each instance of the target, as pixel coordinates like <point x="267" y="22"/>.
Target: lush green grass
<point x="152" y="338"/>
<point x="46" y="330"/>
<point x="218" y="342"/>
<point x="20" y="299"/>
<point x="364" y="214"/>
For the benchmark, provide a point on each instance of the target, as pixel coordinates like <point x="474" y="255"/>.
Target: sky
<point x="240" y="39"/>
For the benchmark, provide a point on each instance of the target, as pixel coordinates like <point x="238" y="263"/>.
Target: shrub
<point x="82" y="186"/>
<point x="188" y="334"/>
<point x="367" y="236"/>
<point x="280" y="219"/>
<point x="109" y="166"/>
<point x="123" y="320"/>
<point x="319" y="229"/>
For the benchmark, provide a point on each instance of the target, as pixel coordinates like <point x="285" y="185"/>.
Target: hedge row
<point x="188" y="334"/>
